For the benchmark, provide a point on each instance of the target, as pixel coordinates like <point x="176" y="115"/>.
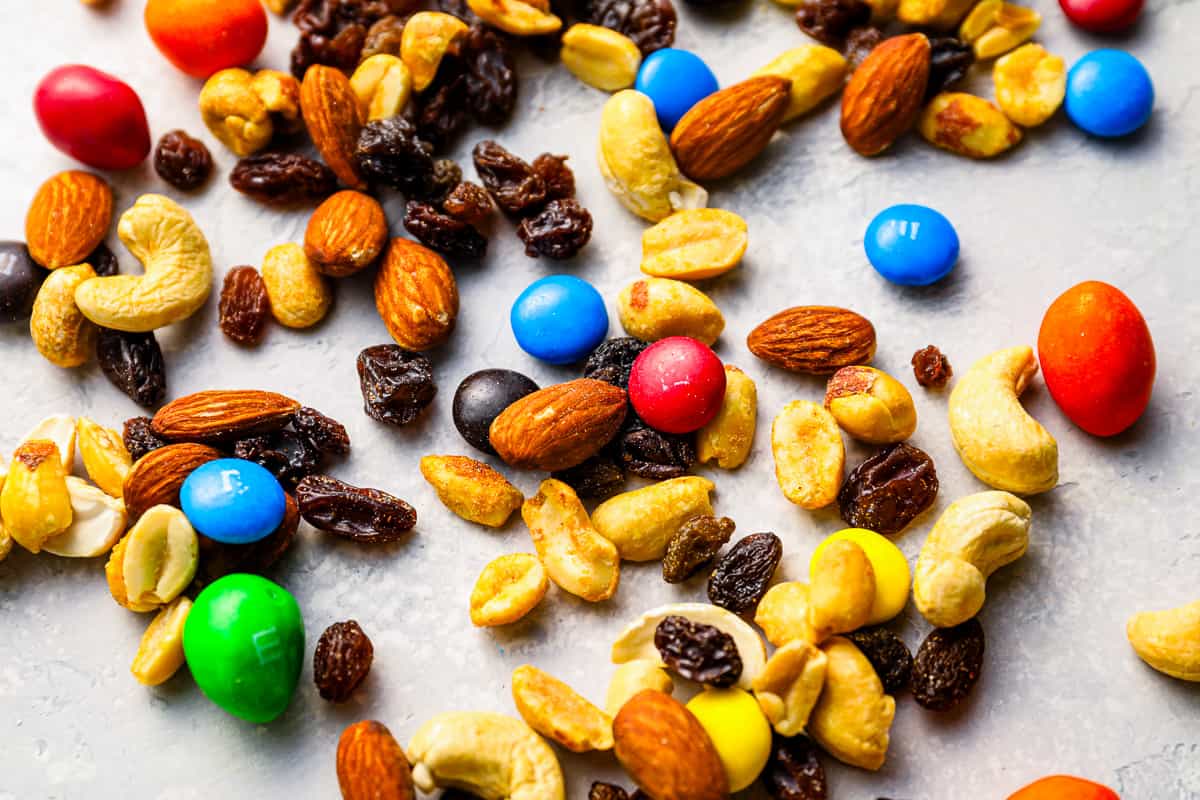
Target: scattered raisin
<point x="558" y="177"/>
<point x="612" y="360"/>
<point x="469" y="202"/>
<point x="365" y="515"/>
<point x="794" y="771"/>
<point x="443" y="232"/>
<point x="860" y="42"/>
<point x="596" y="478"/>
<point x="218" y="559"/>
<point x="389" y="151"/>
<point x="888" y="654"/>
<point x="649" y="23"/>
<point x="931" y="367"/>
<point x="326" y="434"/>
<point x="512" y="182"/>
<point x="693" y="545"/>
<point x="283" y="178"/>
<point x="949" y="61"/>
<point x="701" y="653"/>
<point x="889" y="490"/>
<point x="445" y="176"/>
<point x="133" y="363"/>
<point x="140" y="438"/>
<point x="333" y="32"/>
<point x="491" y="76"/>
<point x="396" y="383"/>
<point x="244" y="306"/>
<point x="287" y="455"/>
<point x="948" y="665"/>
<point x="383" y="37"/>
<point x="610" y="791"/>
<point x="743" y="575"/>
<point x="559" y="231"/>
<point x="830" y="21"/>
<point x="182" y="161"/>
<point x="342" y="660"/>
<point x="441" y="110"/>
<point x="649" y="453"/>
<point x="103" y="261"/>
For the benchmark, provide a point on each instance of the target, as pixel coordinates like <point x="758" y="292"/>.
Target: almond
<point x="726" y="130"/>
<point x="666" y="751"/>
<point x="371" y="764"/>
<point x="333" y="118"/>
<point x="346" y="233"/>
<point x="157" y="476"/>
<point x="68" y="218"/>
<point x="223" y="414"/>
<point x="815" y="339"/>
<point x="883" y="98"/>
<point x="559" y="426"/>
<point x="416" y="295"/>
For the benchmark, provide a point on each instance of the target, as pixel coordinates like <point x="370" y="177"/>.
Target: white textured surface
<point x="1061" y="690"/>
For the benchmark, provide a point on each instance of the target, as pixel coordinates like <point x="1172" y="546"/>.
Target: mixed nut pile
<point x="193" y="504"/>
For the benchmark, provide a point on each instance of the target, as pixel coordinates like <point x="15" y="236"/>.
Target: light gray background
<point x="1061" y="690"/>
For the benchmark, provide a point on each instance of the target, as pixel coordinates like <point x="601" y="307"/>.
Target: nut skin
<point x="883" y="98"/>
<point x="666" y="751"/>
<point x="853" y="715"/>
<point x="68" y="218"/>
<point x="509" y="587"/>
<point x="560" y="426"/>
<point x="472" y="489"/>
<point x="60" y="331"/>
<point x="332" y="115"/>
<point x="1169" y="641"/>
<point x="656" y="308"/>
<point x="817" y="72"/>
<point x="967" y="126"/>
<point x="578" y="559"/>
<point x="300" y="294"/>
<point x="371" y="764"/>
<point x="157" y="476"/>
<point x="558" y="712"/>
<point x="223" y="414"/>
<point x="641" y="522"/>
<point x="809" y="454"/>
<point x="346" y="233"/>
<point x="242" y="109"/>
<point x="416" y="295"/>
<point x="817" y="340"/>
<point x="728" y="438"/>
<point x="726" y="130"/>
<point x="871" y="405"/>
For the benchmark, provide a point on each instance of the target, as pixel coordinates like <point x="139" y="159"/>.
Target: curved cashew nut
<point x="1168" y="640"/>
<point x="973" y="538"/>
<point x="995" y="437"/>
<point x="165" y="238"/>
<point x="493" y="756"/>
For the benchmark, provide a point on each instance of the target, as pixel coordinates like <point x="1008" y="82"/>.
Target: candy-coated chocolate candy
<point x="1109" y="93"/>
<point x="739" y="731"/>
<point x="892" y="575"/>
<point x="244" y="644"/>
<point x="911" y="245"/>
<point x="674" y="80"/>
<point x="559" y="318"/>
<point x="93" y="117"/>
<point x="1102" y="16"/>
<point x="677" y="384"/>
<point x="201" y="37"/>
<point x="20" y="279"/>
<point x="481" y="397"/>
<point x="233" y="501"/>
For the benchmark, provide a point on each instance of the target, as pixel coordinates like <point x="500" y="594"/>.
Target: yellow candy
<point x="892" y="575"/>
<point x="739" y="731"/>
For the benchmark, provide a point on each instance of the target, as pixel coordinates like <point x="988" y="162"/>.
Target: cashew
<point x="427" y="37"/>
<point x="382" y="85"/>
<point x="242" y="109"/>
<point x="973" y="538"/>
<point x="60" y="331"/>
<point x="790" y="685"/>
<point x="34" y="503"/>
<point x="491" y="755"/>
<point x="853" y="715"/>
<point x="841" y="591"/>
<point x="165" y="238"/>
<point x="641" y="523"/>
<point x="1168" y="640"/>
<point x="995" y="437"/>
<point x="632" y="677"/>
<point x="578" y="559"/>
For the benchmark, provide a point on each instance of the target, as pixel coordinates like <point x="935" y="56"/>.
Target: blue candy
<point x="911" y="245"/>
<point x="1109" y="93"/>
<point x="233" y="501"/>
<point x="559" y="319"/>
<point x="675" y="80"/>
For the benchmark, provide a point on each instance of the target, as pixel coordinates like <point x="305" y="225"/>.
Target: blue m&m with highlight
<point x="233" y="501"/>
<point x="911" y="245"/>
<point x="674" y="80"/>
<point x="1109" y="93"/>
<point x="559" y="319"/>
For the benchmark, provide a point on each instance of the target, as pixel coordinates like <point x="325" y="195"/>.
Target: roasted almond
<point x="223" y="414"/>
<point x="331" y="113"/>
<point x="371" y="764"/>
<point x="346" y="233"/>
<point x="726" y="130"/>
<point x="666" y="751"/>
<point x="68" y="218"/>
<point x="416" y="295"/>
<point x="157" y="476"/>
<point x="883" y="98"/>
<point x="818" y="340"/>
<point x="559" y="426"/>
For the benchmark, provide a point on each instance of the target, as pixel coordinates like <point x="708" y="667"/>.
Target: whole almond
<point x="157" y="476"/>
<point x="371" y="764"/>
<point x="223" y="414"/>
<point x="416" y="295"/>
<point x="346" y="233"/>
<point x="560" y="426"/>
<point x="331" y="113"/>
<point x="815" y="339"/>
<point x="726" y="130"/>
<point x="883" y="98"/>
<point x="68" y="218"/>
<point x="666" y="751"/>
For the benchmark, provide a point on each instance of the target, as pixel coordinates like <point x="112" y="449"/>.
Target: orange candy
<point x="1064" y="787"/>
<point x="201" y="37"/>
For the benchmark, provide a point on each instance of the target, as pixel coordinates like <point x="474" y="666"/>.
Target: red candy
<point x="677" y="385"/>
<point x="92" y="117"/>
<point x="1102" y="16"/>
<point x="201" y="37"/>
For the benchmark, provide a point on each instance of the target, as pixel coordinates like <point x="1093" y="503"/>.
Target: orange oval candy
<point x="1064" y="787"/>
<point x="201" y="37"/>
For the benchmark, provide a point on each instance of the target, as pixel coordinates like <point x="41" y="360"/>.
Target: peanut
<point x="300" y="295"/>
<point x="34" y="502"/>
<point x="383" y="86"/>
<point x="104" y="456"/>
<point x="655" y="308"/>
<point x="632" y="677"/>
<point x="517" y="17"/>
<point x="937" y="14"/>
<point x="160" y="654"/>
<point x="694" y="244"/>
<point x="241" y="109"/>
<point x="809" y="454"/>
<point x="789" y="686"/>
<point x="578" y="559"/>
<point x="427" y="37"/>
<point x="1030" y="84"/>
<point x="155" y="561"/>
<point x="841" y="591"/>
<point x="816" y="72"/>
<point x="1169" y="641"/>
<point x="60" y="330"/>
<point x="600" y="57"/>
<point x="783" y="614"/>
<point x="472" y="489"/>
<point x="728" y="437"/>
<point x="641" y="522"/>
<point x="871" y="405"/>
<point x="558" y="712"/>
<point x="967" y="125"/>
<point x="508" y="588"/>
<point x="994" y="27"/>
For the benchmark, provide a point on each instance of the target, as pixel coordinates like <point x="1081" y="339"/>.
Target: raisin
<point x="458" y="8"/>
<point x="396" y="384"/>
<point x="558" y="177"/>
<point x="342" y="660"/>
<point x="287" y="455"/>
<point x="701" y="653"/>
<point x="283" y="178"/>
<point x="931" y="367"/>
<point x="445" y="176"/>
<point x="326" y="433"/>
<point x="860" y="42"/>
<point x="182" y="161"/>
<point x="743" y="575"/>
<point x="512" y="182"/>
<point x="365" y="515"/>
<point x="947" y="665"/>
<point x="389" y="151"/>
<point x="830" y="21"/>
<point x="244" y="306"/>
<point x="383" y="37"/>
<point x="140" y="438"/>
<point x="649" y="23"/>
<point x="441" y="109"/>
<point x="442" y="232"/>
<point x="491" y="76"/>
<point x="693" y="545"/>
<point x="613" y="359"/>
<point x="610" y="791"/>
<point x="889" y="490"/>
<point x="559" y="231"/>
<point x="133" y="363"/>
<point x="794" y="771"/>
<point x="103" y="262"/>
<point x="888" y="654"/>
<point x="949" y="61"/>
<point x="457" y="794"/>
<point x="218" y="559"/>
<point x="648" y="453"/>
<point x="596" y="478"/>
<point x="469" y="202"/>
<point x="333" y="32"/>
<point x="481" y="397"/>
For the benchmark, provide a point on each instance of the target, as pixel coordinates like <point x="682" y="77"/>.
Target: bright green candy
<point x="244" y="643"/>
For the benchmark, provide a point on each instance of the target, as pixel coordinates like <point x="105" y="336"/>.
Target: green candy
<point x="244" y="643"/>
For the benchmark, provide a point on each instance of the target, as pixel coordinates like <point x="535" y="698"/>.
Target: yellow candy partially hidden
<point x="738" y="729"/>
<point x="892" y="575"/>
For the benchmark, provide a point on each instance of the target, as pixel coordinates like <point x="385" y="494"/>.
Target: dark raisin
<point x="103" y="261"/>
<point x="396" y="384"/>
<point x="481" y="397"/>
<point x="244" y="306"/>
<point x="342" y="660"/>
<point x="512" y="182"/>
<point x="649" y="23"/>
<point x="20" y="279"/>
<point x="441" y="109"/>
<point x="612" y="360"/>
<point x="442" y="232"/>
<point x="859" y="44"/>
<point x="341" y="50"/>
<point x="931" y="367"/>
<point x="182" y="161"/>
<point x="491" y="76"/>
<point x="383" y="37"/>
<point x="649" y="453"/>
<point x="140" y="438"/>
<point x="558" y="177"/>
<point x="830" y="21"/>
<point x="218" y="559"/>
<point x="283" y="178"/>
<point x="469" y="202"/>
<point x="458" y="8"/>
<point x="365" y="515"/>
<point x="949" y="61"/>
<point x="389" y="151"/>
<point x="606" y="791"/>
<point x="287" y="455"/>
<point x="888" y="654"/>
<point x="698" y="652"/>
<point x="596" y="478"/>
<point x="133" y="363"/>
<point x="445" y="176"/>
<point x="947" y="665"/>
<point x="889" y="490"/>
<point x="559" y="231"/>
<point x="743" y="575"/>
<point x="457" y="794"/>
<point x="693" y="545"/>
<point x="333" y="32"/>
<point x="794" y="771"/>
<point x="326" y="433"/>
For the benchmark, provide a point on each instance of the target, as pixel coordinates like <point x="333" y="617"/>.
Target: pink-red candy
<point x="1102" y="16"/>
<point x="677" y="385"/>
<point x="93" y="117"/>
